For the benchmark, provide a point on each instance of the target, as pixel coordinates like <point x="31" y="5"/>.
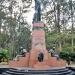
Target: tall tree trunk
<point x="58" y="16"/>
<point x="57" y="21"/>
<point x="58" y="24"/>
<point x="60" y="46"/>
<point x="72" y="40"/>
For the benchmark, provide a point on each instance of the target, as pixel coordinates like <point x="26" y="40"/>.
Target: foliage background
<point x="15" y="31"/>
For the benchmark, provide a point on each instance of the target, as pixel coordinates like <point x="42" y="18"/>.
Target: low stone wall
<point x="22" y="62"/>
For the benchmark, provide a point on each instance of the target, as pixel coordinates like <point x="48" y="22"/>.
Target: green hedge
<point x="67" y="55"/>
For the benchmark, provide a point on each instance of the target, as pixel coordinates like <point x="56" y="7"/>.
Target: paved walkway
<point x="4" y="66"/>
<point x="7" y="66"/>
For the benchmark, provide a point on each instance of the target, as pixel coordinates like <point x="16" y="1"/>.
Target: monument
<point x="38" y="57"/>
<point x="37" y="15"/>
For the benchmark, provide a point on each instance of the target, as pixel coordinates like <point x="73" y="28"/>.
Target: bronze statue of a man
<point x="37" y="15"/>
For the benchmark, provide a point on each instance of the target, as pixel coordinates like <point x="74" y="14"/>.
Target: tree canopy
<point x="15" y="31"/>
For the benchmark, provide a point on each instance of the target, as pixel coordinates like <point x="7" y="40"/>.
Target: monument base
<point x="38" y="46"/>
<point x="41" y="66"/>
<point x="31" y="61"/>
<point x="21" y="62"/>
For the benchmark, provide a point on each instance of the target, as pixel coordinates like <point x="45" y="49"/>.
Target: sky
<point x="30" y="14"/>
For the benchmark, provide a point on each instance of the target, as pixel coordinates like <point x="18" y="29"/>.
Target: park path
<point x="4" y="66"/>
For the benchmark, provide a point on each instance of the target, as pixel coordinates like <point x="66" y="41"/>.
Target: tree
<point x="14" y="24"/>
<point x="24" y="38"/>
<point x="60" y="21"/>
<point x="72" y="28"/>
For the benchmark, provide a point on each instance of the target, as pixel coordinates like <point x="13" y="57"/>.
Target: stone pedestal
<point x="34" y="57"/>
<point x="38" y="45"/>
<point x="38" y="40"/>
<point x="41" y="66"/>
<point x="21" y="62"/>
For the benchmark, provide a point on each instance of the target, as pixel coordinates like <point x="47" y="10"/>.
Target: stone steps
<point x="61" y="71"/>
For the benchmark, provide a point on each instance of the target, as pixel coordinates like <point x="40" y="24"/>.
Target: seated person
<point x="40" y="57"/>
<point x="17" y="57"/>
<point x="24" y="52"/>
